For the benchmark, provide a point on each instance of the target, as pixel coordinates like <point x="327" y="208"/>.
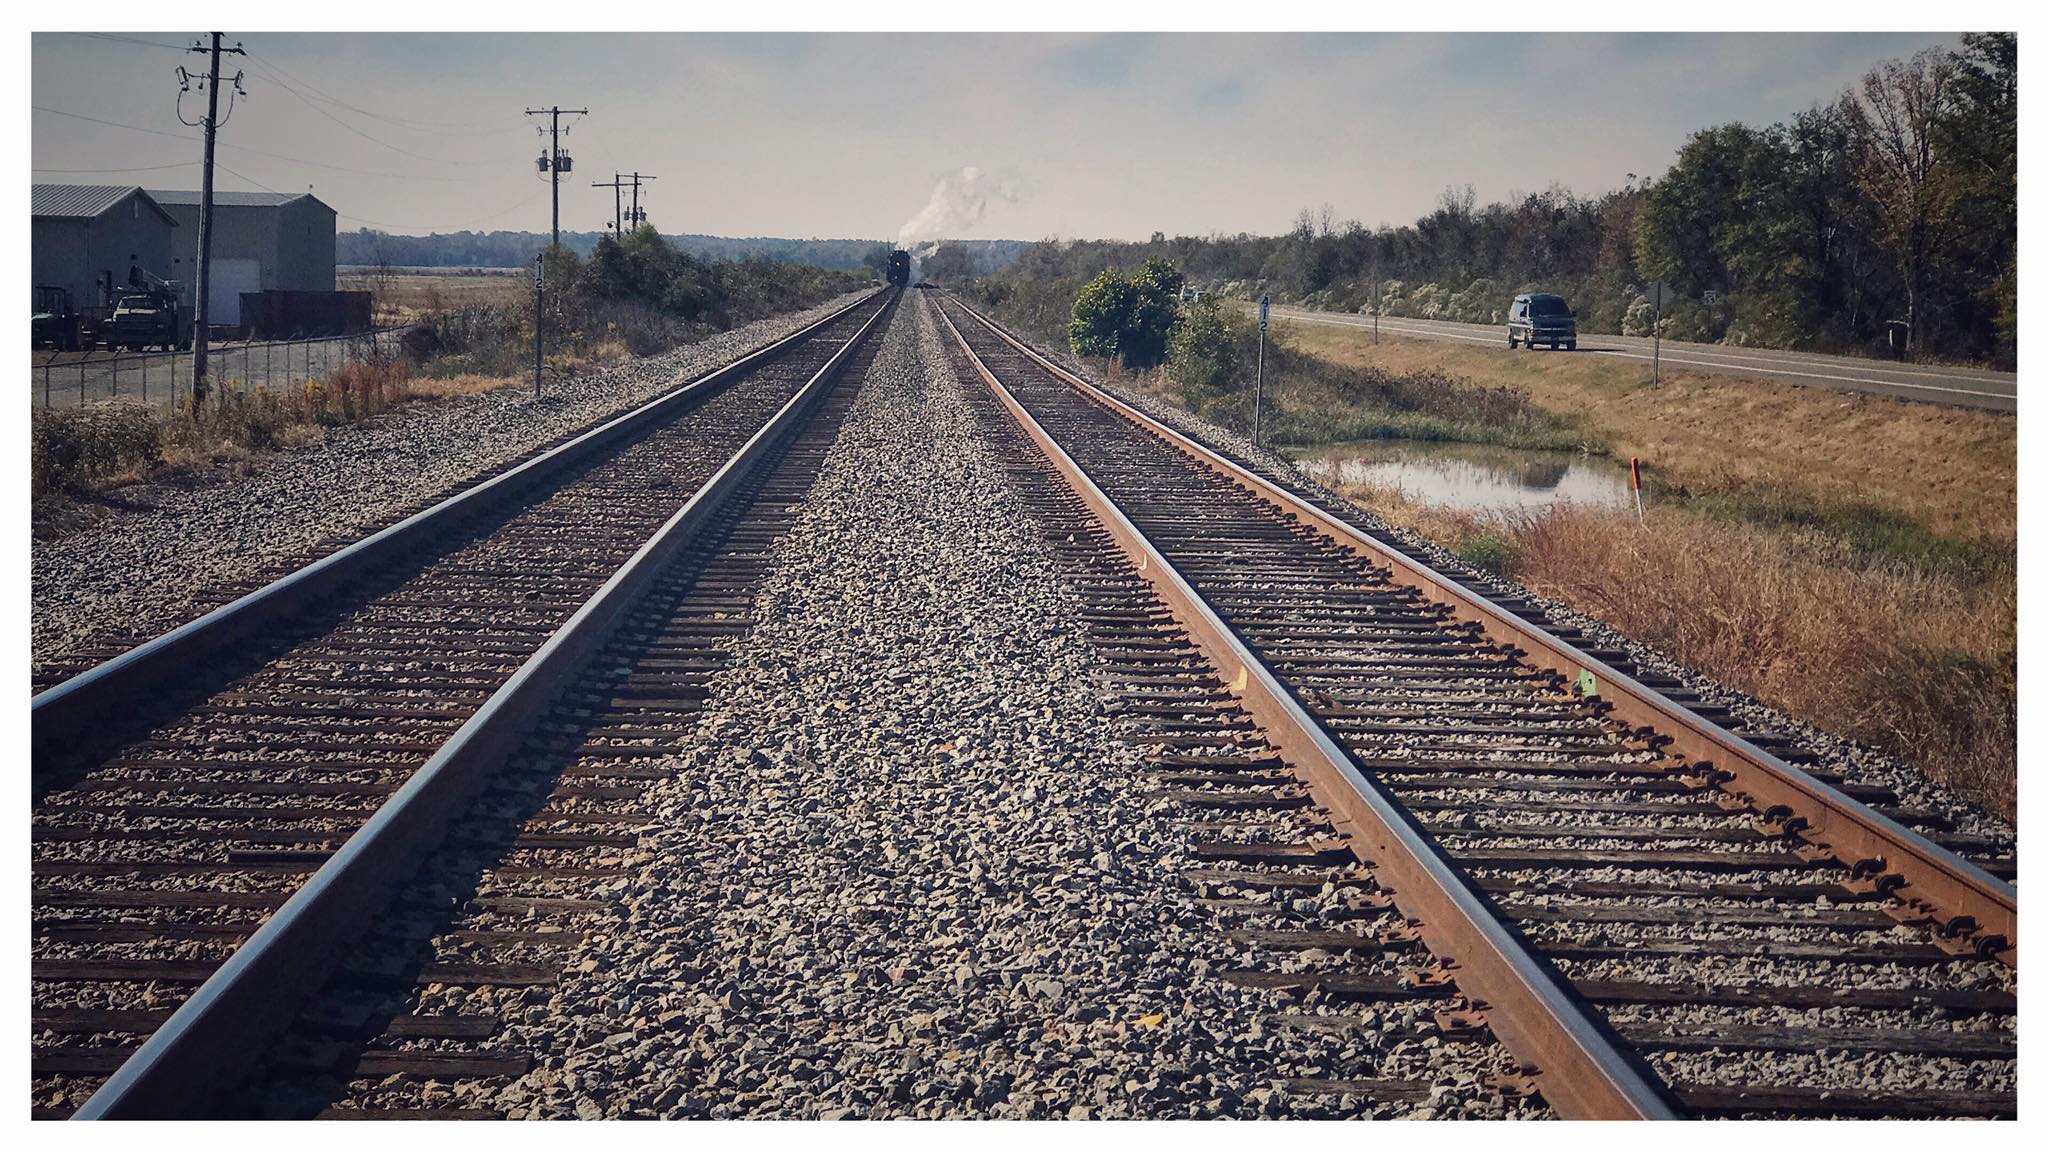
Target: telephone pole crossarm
<point x="555" y="161"/>
<point x="204" y="264"/>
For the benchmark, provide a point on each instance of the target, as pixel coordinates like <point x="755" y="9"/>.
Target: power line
<point x="261" y="152"/>
<point x="98" y="171"/>
<point x="108" y="123"/>
<point x="535" y="195"/>
<point x="246" y="179"/>
<point x="129" y="40"/>
<point x="396" y="121"/>
<point x="308" y="102"/>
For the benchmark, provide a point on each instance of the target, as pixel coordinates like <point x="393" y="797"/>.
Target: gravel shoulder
<point x="1857" y="762"/>
<point x="907" y="867"/>
<point x="148" y="565"/>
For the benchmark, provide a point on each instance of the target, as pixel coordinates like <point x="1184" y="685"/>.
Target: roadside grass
<point x="1848" y="559"/>
<point x="1919" y="663"/>
<point x="1751" y="447"/>
<point x="1313" y="400"/>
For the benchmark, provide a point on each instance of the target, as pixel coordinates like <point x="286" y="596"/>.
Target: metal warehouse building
<point x="83" y="235"/>
<point x="262" y="242"/>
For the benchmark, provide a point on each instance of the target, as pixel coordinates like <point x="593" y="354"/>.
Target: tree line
<point x="368" y="247"/>
<point x="1886" y="219"/>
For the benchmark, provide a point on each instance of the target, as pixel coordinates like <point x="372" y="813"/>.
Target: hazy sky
<point x="1021" y="136"/>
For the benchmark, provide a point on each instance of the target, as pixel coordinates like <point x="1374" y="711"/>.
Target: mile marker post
<point x="540" y="269"/>
<point x="1656" y="331"/>
<point x="1259" y="380"/>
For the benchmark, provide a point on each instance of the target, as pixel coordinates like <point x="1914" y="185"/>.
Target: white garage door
<point x="226" y="281"/>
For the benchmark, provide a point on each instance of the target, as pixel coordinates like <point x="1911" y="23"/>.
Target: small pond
<point x="1476" y="477"/>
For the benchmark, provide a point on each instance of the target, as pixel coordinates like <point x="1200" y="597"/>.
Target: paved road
<point x="1962" y="387"/>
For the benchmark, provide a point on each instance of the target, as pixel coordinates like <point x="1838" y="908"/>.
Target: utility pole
<point x="618" y="213"/>
<point x="638" y="217"/>
<point x="211" y="124"/>
<point x="554" y="162"/>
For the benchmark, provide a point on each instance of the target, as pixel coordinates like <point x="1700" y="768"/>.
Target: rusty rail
<point x="87" y="707"/>
<point x="1582" y="1072"/>
<point x="257" y="991"/>
<point x="1961" y="901"/>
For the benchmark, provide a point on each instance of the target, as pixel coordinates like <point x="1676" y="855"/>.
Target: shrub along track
<point x="1653" y="929"/>
<point x="162" y="842"/>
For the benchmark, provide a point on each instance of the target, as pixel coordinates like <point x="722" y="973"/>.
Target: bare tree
<point x="1895" y="116"/>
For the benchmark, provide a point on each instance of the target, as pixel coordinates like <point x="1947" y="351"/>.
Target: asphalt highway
<point x="1933" y="384"/>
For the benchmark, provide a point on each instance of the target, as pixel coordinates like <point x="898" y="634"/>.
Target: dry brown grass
<point x="1952" y="471"/>
<point x="105" y="446"/>
<point x="455" y="387"/>
<point x="1922" y="664"/>
<point x="408" y="297"/>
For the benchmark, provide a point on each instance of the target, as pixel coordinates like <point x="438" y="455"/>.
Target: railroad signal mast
<point x="554" y="161"/>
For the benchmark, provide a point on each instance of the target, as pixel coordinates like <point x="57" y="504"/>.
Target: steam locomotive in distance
<point x="899" y="268"/>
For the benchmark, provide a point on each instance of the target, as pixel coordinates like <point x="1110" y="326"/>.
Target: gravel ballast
<point x="1857" y="762"/>
<point x="147" y="566"/>
<point x="907" y="867"/>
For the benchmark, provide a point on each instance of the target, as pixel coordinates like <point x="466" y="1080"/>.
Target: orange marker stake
<point x="1635" y="474"/>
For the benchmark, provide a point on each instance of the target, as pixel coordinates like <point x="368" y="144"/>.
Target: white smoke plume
<point x="960" y="201"/>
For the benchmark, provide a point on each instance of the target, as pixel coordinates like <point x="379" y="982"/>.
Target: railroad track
<point x="197" y="866"/>
<point x="1654" y="914"/>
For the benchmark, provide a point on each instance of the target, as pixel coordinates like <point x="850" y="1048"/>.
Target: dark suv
<point x="1542" y="318"/>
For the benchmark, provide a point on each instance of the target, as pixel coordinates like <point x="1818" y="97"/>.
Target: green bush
<point x="1204" y="355"/>
<point x="1488" y="552"/>
<point x="1128" y="318"/>
<point x="1101" y="312"/>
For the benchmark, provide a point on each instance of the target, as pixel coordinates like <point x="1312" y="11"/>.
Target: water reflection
<point x="1478" y="477"/>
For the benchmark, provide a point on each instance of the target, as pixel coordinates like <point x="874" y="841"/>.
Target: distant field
<point x="405" y="296"/>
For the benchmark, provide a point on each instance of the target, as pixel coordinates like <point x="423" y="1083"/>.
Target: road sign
<point x="1710" y="297"/>
<point x="1265" y="307"/>
<point x="540" y="270"/>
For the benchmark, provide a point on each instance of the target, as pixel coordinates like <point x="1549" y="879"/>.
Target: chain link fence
<point x="70" y="379"/>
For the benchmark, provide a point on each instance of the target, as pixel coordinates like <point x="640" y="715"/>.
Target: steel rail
<point x="256" y="993"/>
<point x="1580" y="1070"/>
<point x="1961" y="901"/>
<point x="79" y="708"/>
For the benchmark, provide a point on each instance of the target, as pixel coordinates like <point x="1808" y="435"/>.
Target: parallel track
<point x="391" y="798"/>
<point x="155" y="862"/>
<point x="1703" y="940"/>
<point x="434" y="992"/>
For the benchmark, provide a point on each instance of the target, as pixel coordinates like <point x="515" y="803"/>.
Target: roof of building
<point x="86" y="201"/>
<point x="234" y="199"/>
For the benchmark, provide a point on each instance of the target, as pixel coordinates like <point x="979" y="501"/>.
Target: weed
<point x="1488" y="551"/>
